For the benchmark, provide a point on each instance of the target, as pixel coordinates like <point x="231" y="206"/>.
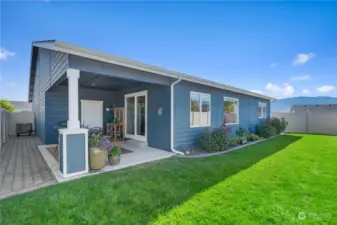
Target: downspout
<point x="172" y="118"/>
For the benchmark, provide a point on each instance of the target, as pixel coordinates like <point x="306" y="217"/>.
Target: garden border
<point x="226" y="151"/>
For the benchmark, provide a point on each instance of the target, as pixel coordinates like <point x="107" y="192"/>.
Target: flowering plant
<point x="106" y="144"/>
<point x="225" y="127"/>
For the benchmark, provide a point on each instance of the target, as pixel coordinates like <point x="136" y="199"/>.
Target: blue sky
<point x="281" y="49"/>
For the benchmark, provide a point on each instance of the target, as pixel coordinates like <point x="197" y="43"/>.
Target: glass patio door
<point x="136" y="115"/>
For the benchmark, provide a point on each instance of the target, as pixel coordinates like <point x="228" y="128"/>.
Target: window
<point x="200" y="109"/>
<point x="262" y="110"/>
<point x="231" y="110"/>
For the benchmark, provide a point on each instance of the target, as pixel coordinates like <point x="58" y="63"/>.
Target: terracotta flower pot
<point x="114" y="159"/>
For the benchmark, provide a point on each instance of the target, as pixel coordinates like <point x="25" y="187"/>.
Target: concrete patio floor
<point x="140" y="154"/>
<point x="22" y="167"/>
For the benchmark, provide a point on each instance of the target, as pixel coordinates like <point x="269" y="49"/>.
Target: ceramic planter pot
<point x="114" y="159"/>
<point x="97" y="158"/>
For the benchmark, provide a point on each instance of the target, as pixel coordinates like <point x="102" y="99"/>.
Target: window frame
<point x="210" y="108"/>
<point x="265" y="105"/>
<point x="238" y="109"/>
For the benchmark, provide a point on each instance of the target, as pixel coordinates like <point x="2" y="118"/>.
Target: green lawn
<point x="267" y="183"/>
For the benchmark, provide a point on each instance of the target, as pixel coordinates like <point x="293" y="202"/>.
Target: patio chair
<point x="95" y="131"/>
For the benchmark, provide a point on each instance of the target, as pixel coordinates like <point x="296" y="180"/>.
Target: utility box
<point x="24" y="128"/>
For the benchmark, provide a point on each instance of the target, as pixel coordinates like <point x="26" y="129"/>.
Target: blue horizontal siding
<point x="158" y="97"/>
<point x="57" y="107"/>
<point x="158" y="127"/>
<point x="185" y="136"/>
<point x="50" y="66"/>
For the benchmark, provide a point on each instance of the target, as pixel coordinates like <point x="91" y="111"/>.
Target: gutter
<point x="172" y="117"/>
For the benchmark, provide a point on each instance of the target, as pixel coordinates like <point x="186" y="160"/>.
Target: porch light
<point x="107" y="109"/>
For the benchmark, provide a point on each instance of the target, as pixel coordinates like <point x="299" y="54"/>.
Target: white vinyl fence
<point x="4" y="124"/>
<point x="19" y="117"/>
<point x="306" y="122"/>
<point x="8" y="121"/>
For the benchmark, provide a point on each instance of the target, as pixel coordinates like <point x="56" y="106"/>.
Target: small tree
<point x="5" y="104"/>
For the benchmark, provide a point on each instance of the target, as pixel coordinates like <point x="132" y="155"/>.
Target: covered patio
<point x="84" y="99"/>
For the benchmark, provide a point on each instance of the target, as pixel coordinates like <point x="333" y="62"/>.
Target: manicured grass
<point x="267" y="183"/>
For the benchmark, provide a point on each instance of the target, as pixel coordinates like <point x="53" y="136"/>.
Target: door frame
<point x="135" y="136"/>
<point x="101" y="113"/>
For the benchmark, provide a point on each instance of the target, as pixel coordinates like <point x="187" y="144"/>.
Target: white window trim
<point x="265" y="105"/>
<point x="238" y="108"/>
<point x="210" y="108"/>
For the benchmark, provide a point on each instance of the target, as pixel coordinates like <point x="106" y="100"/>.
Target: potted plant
<point x="114" y="153"/>
<point x="97" y="156"/>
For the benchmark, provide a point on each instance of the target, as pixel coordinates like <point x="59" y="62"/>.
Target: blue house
<point x="167" y="110"/>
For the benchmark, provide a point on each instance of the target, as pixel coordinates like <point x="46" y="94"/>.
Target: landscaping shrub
<point x="253" y="137"/>
<point x="279" y="124"/>
<point x="242" y="132"/>
<point x="216" y="140"/>
<point x="284" y="124"/>
<point x="238" y="140"/>
<point x="265" y="131"/>
<point x="276" y="123"/>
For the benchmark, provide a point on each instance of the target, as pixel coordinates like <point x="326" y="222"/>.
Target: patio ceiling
<point x="101" y="82"/>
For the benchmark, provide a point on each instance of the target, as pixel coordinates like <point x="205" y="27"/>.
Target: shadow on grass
<point x="136" y="195"/>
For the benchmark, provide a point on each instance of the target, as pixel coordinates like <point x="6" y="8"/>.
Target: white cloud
<point x="302" y="58"/>
<point x="306" y="91"/>
<point x="273" y="65"/>
<point x="12" y="84"/>
<point x="325" y="89"/>
<point x="257" y="91"/>
<point x="4" y="54"/>
<point x="285" y="90"/>
<point x="299" y="78"/>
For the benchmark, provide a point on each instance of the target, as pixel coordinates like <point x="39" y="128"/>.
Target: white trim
<point x="103" y="57"/>
<point x="73" y="76"/>
<point x="238" y="109"/>
<point x="135" y="95"/>
<point x="64" y="133"/>
<point x="200" y="100"/>
<point x="69" y="131"/>
<point x="64" y="154"/>
<point x="101" y="113"/>
<point x="172" y="118"/>
<point x="265" y="105"/>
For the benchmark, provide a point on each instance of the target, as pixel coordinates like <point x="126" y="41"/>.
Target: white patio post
<point x="73" y="140"/>
<point x="73" y="75"/>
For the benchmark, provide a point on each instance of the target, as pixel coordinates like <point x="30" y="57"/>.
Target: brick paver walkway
<point x="22" y="167"/>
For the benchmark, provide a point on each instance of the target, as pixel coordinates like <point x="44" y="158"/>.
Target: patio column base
<point x="73" y="152"/>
